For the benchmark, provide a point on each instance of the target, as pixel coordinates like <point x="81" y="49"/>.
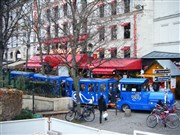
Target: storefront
<point x="168" y="76"/>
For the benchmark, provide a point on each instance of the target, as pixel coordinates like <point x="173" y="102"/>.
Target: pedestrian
<point x="102" y="107"/>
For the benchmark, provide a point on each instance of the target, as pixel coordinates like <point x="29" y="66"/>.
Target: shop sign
<point x="161" y="71"/>
<point x="161" y="78"/>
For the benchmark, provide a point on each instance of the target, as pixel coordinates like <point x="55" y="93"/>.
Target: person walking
<point x="102" y="107"/>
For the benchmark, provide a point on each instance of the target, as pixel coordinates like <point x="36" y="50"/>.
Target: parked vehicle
<point x="56" y="82"/>
<point x="135" y="95"/>
<point x="91" y="89"/>
<point x="87" y="114"/>
<point x="15" y="74"/>
<point x="132" y="93"/>
<point x="162" y="114"/>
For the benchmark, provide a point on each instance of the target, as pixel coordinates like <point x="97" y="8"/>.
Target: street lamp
<point x="90" y="46"/>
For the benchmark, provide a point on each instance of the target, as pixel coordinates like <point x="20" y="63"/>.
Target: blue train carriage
<point x="91" y="88"/>
<point x="15" y="74"/>
<point x="135" y="95"/>
<point x="56" y="81"/>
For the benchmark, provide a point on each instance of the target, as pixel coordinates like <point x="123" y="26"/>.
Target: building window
<point x="24" y="37"/>
<point x="56" y="30"/>
<point x="84" y="26"/>
<point x="126" y="6"/>
<point x="126" y="50"/>
<point x="113" y="52"/>
<point x="63" y="47"/>
<point x="126" y="53"/>
<point x="74" y="4"/>
<point x="113" y="7"/>
<point x="11" y="55"/>
<point x="65" y="28"/>
<point x="101" y="54"/>
<point x="48" y="31"/>
<point x="101" y="33"/>
<point x="56" y="13"/>
<point x="65" y="9"/>
<point x="101" y="10"/>
<point x="113" y="32"/>
<point x="127" y="31"/>
<point x="48" y="14"/>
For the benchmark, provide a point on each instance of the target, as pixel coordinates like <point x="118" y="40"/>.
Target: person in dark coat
<point x="102" y="107"/>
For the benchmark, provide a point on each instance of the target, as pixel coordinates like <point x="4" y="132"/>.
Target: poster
<point x="173" y="83"/>
<point x="63" y="71"/>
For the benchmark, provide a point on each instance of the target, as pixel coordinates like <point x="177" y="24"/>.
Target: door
<point x="131" y="94"/>
<point x="103" y="90"/>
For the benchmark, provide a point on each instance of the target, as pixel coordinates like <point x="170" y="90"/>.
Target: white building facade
<point x="167" y="26"/>
<point x="149" y="26"/>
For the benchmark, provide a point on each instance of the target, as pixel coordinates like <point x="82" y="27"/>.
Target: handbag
<point x="105" y="114"/>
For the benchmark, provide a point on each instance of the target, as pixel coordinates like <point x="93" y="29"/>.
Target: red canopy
<point x="35" y="62"/>
<point x="33" y="65"/>
<point x="119" y="64"/>
<point x="125" y="48"/>
<point x="55" y="60"/>
<point x="108" y="71"/>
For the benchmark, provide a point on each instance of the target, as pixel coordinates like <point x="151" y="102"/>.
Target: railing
<point x="44" y="125"/>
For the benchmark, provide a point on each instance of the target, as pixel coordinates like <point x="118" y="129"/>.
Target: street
<point x="121" y="124"/>
<point x="126" y="125"/>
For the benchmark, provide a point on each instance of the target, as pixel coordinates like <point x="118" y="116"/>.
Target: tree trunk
<point x="1" y="41"/>
<point x="27" y="53"/>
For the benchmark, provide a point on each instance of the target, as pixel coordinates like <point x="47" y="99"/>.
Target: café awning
<point x="33" y="65"/>
<point x="125" y="48"/>
<point x="119" y="64"/>
<point x="108" y="71"/>
<point x="15" y="65"/>
<point x="34" y="62"/>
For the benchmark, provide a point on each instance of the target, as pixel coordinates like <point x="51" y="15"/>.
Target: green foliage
<point x="21" y="83"/>
<point x="4" y="80"/>
<point x="25" y="114"/>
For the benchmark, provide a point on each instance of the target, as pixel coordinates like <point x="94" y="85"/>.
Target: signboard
<point x="173" y="83"/>
<point x="161" y="71"/>
<point x="63" y="71"/>
<point x="161" y="78"/>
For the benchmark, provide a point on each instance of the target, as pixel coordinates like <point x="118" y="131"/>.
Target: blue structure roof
<point x="94" y="80"/>
<point x="133" y="80"/>
<point x="21" y="73"/>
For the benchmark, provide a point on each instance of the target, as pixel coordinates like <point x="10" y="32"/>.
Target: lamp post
<point x="90" y="46"/>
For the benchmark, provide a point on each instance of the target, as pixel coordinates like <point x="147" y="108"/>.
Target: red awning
<point x="112" y="26"/>
<point x="125" y="24"/>
<point x="65" y="39"/>
<point x="35" y="62"/>
<point x="112" y="49"/>
<point x="119" y="64"/>
<point x="33" y="65"/>
<point x="83" y="37"/>
<point x="125" y="48"/>
<point x="55" y="60"/>
<point x="100" y="50"/>
<point x="104" y="71"/>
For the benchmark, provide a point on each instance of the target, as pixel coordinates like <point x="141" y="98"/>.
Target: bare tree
<point x="10" y="14"/>
<point x="27" y="26"/>
<point x="79" y="29"/>
<point x="82" y="28"/>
